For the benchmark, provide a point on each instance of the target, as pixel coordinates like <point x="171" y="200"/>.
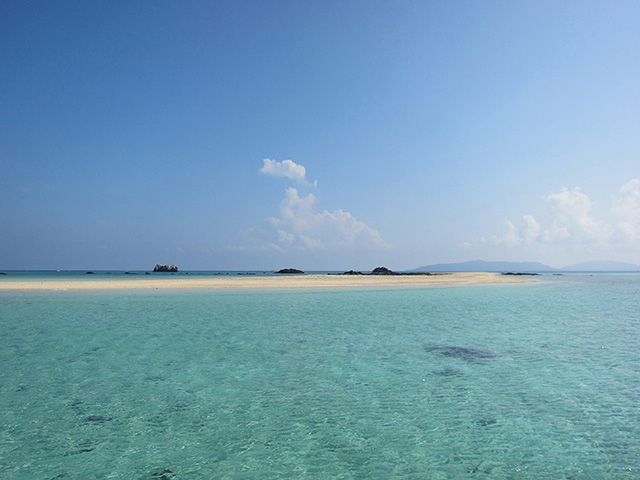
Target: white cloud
<point x="286" y="168"/>
<point x="573" y="211"/>
<point x="285" y="238"/>
<point x="571" y="221"/>
<point x="524" y="234"/>
<point x="300" y="226"/>
<point x="556" y="233"/>
<point x="626" y="208"/>
<point x="532" y="229"/>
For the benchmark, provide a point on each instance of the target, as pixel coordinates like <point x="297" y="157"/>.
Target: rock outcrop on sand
<point x="165" y="268"/>
<point x="382" y="271"/>
<point x="289" y="270"/>
<point x="385" y="271"/>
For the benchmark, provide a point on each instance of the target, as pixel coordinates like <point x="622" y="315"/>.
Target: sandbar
<point x="259" y="282"/>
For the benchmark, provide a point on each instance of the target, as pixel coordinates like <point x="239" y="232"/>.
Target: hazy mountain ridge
<point x="602" y="266"/>
<point x="496" y="266"/>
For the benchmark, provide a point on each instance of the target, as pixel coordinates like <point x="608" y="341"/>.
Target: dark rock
<point x="97" y="419"/>
<point x="520" y="274"/>
<point x="487" y="421"/>
<point x="382" y="271"/>
<point x="386" y="271"/>
<point x="165" y="268"/>
<point x="289" y="270"/>
<point x="463" y="353"/>
<point x="352" y="272"/>
<point x="147" y="273"/>
<point x="448" y="372"/>
<point x="83" y="447"/>
<point x="162" y="474"/>
<point x="90" y="273"/>
<point x="130" y="273"/>
<point x="2" y="273"/>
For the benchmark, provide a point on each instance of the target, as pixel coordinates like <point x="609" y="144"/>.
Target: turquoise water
<point x="536" y="381"/>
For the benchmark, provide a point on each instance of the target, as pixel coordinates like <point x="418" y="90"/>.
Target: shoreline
<point x="284" y="282"/>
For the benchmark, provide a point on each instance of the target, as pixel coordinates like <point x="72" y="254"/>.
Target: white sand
<point x="292" y="281"/>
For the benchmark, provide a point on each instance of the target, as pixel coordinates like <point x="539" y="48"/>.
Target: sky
<point x="333" y="135"/>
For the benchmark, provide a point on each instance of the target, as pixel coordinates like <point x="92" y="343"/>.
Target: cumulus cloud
<point x="524" y="234"/>
<point x="286" y="168"/>
<point x="573" y="209"/>
<point x="299" y="225"/>
<point x="626" y="209"/>
<point x="571" y="219"/>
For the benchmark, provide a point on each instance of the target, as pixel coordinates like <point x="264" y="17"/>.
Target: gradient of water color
<point x="531" y="381"/>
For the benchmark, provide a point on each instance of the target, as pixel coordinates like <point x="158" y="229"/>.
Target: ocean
<point x="526" y="381"/>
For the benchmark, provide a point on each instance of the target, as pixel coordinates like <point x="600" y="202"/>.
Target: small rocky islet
<point x="289" y="271"/>
<point x="165" y="268"/>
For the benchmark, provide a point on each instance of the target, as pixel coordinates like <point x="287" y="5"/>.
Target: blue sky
<point x="318" y="135"/>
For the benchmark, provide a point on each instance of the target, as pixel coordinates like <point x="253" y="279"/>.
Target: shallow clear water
<point x="513" y="381"/>
<point x="111" y="275"/>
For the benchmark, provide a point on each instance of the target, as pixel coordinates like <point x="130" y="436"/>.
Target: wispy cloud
<point x="286" y="168"/>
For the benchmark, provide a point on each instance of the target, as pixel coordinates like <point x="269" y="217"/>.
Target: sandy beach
<point x="288" y="281"/>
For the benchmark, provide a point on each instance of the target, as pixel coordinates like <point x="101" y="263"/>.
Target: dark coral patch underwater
<point x="463" y="353"/>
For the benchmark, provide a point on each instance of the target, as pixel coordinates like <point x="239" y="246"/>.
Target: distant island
<point x="527" y="267"/>
<point x="165" y="268"/>
<point x="602" y="266"/>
